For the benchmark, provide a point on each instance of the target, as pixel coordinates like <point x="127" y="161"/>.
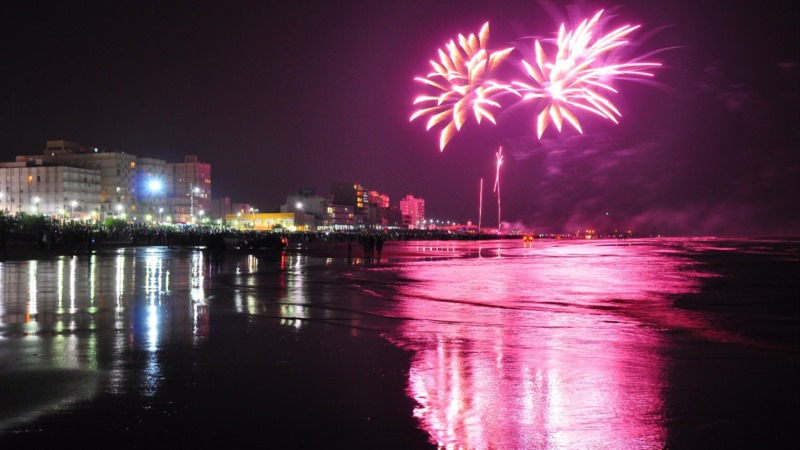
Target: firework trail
<point x="463" y="77"/>
<point x="499" y="156"/>
<point x="579" y="76"/>
<point x="480" y="206"/>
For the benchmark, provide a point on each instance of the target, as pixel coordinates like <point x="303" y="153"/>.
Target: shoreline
<point x="318" y="249"/>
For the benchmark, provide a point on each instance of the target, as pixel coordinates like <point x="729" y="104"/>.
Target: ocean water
<point x="641" y="343"/>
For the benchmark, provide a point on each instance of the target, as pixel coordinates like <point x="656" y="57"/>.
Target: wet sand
<point x="256" y="382"/>
<point x="268" y="386"/>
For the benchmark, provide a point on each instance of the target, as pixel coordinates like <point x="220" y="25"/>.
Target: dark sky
<point x="279" y="96"/>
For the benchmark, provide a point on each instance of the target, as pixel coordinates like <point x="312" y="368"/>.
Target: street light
<point x="253" y="214"/>
<point x="160" y="210"/>
<point x="72" y="211"/>
<point x="192" y="190"/>
<point x="154" y="185"/>
<point x="36" y="204"/>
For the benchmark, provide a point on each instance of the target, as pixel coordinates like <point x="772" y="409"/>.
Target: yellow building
<point x="288" y="221"/>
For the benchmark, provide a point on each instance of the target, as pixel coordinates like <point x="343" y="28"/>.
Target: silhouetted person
<point x="379" y="247"/>
<point x="367" y="246"/>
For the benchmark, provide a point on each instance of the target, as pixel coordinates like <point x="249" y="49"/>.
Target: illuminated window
<point x="133" y="165"/>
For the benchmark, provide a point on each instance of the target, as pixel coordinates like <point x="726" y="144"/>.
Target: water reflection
<point x="91" y="313"/>
<point x="549" y="347"/>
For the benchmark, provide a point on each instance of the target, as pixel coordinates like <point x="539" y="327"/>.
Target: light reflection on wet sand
<point x="550" y="345"/>
<point x="539" y="352"/>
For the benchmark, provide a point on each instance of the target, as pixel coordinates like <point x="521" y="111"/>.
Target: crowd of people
<point x="50" y="235"/>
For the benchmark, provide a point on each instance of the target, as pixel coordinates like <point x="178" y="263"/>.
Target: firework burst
<point x="580" y="74"/>
<point x="463" y="77"/>
<point x="576" y="75"/>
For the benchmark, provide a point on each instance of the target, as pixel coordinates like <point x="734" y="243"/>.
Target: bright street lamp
<point x="253" y="214"/>
<point x="154" y="185"/>
<point x="192" y="190"/>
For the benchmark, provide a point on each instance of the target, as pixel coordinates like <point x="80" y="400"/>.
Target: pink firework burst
<point x="579" y="75"/>
<point x="463" y="75"/>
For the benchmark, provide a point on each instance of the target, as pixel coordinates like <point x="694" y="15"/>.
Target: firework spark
<point x="580" y="74"/>
<point x="463" y="76"/>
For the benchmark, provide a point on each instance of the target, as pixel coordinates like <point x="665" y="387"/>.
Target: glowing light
<point x="499" y="163"/>
<point x="579" y="74"/>
<point x="154" y="185"/>
<point x="463" y="76"/>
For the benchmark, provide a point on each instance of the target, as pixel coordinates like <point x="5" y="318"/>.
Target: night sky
<point x="279" y="96"/>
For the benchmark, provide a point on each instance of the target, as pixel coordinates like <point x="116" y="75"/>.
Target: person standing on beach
<point x="379" y="246"/>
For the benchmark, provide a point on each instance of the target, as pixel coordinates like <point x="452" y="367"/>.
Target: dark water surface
<point x="662" y="343"/>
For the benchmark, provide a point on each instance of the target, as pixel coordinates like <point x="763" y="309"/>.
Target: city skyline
<point x="138" y="188"/>
<point x="281" y="98"/>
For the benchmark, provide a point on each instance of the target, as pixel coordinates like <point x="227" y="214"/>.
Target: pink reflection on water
<point x="556" y="346"/>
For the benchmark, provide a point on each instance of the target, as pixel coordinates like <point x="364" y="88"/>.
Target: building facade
<point x="308" y="202"/>
<point x="118" y="181"/>
<point x="188" y="189"/>
<point x="132" y="188"/>
<point x="413" y="211"/>
<point x="62" y="192"/>
<point x="283" y="221"/>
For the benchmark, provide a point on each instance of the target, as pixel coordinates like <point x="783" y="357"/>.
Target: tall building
<point x="188" y="189"/>
<point x="39" y="187"/>
<point x="413" y="211"/>
<point x="118" y="180"/>
<point x="350" y="194"/>
<point x="355" y="198"/>
<point x="377" y="210"/>
<point x="136" y="188"/>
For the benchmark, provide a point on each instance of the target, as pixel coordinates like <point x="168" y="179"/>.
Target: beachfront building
<point x="413" y="211"/>
<point x="189" y="190"/>
<point x="282" y="221"/>
<point x="377" y="210"/>
<point x="308" y="202"/>
<point x="117" y="173"/>
<point x="342" y="217"/>
<point x="358" y="207"/>
<point x="133" y="188"/>
<point x="354" y="197"/>
<point x="40" y="187"/>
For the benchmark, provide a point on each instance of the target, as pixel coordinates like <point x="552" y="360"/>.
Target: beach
<point x="450" y="344"/>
